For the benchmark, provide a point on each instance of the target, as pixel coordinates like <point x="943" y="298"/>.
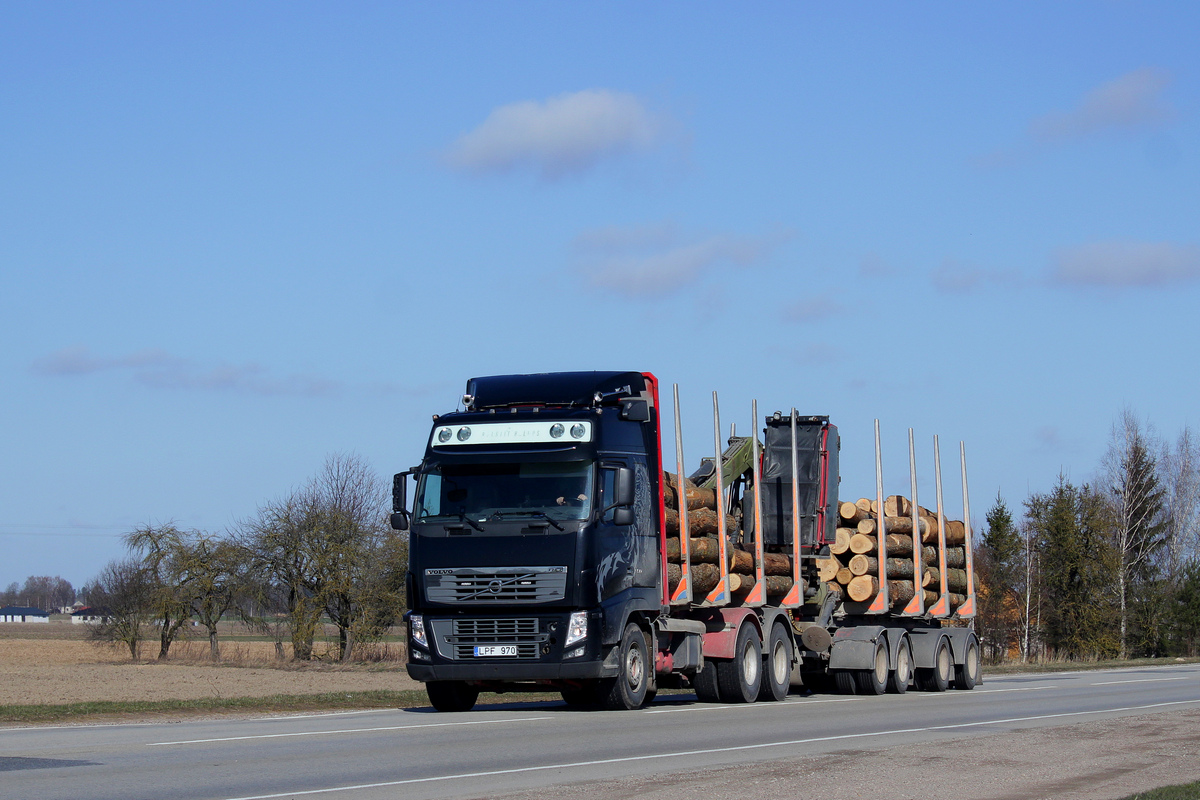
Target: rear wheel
<point x="874" y="680"/>
<point x="705" y="683"/>
<point x="451" y="695"/>
<point x="739" y="679"/>
<point x="937" y="678"/>
<point x="628" y="689"/>
<point x="843" y="679"/>
<point x="900" y="677"/>
<point x="778" y="665"/>
<point x="966" y="674"/>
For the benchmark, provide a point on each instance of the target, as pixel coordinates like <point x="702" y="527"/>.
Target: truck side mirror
<point x="399" y="517"/>
<point x="624" y="489"/>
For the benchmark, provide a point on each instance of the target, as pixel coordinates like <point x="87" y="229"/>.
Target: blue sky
<point x="236" y="239"/>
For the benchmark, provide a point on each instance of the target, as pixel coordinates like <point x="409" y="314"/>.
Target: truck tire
<point x="937" y="677"/>
<point x="843" y="680"/>
<point x="739" y="678"/>
<point x="705" y="683"/>
<point x="777" y="672"/>
<point x="628" y="689"/>
<point x="901" y="676"/>
<point x="451" y="695"/>
<point x="874" y="681"/>
<point x="966" y="674"/>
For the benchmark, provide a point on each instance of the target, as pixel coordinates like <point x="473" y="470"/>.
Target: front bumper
<point x="574" y="670"/>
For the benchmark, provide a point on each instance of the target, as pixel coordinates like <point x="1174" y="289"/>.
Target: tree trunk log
<point x="851" y="513"/>
<point x="956" y="532"/>
<point x="897" y="506"/>
<point x="860" y="543"/>
<point x="841" y="542"/>
<point x="701" y="522"/>
<point x="844" y="575"/>
<point x="862" y="588"/>
<point x="827" y="568"/>
<point x="864" y="565"/>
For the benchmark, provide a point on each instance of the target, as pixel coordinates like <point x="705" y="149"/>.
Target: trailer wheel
<point x="628" y="689"/>
<point x="874" y="680"/>
<point x="937" y="678"/>
<point x="900" y="677"/>
<point x="739" y="678"/>
<point x="966" y="675"/>
<point x="843" y="679"/>
<point x="705" y="683"/>
<point x="778" y="675"/>
<point x="451" y="695"/>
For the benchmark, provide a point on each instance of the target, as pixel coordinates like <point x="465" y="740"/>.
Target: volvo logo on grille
<point x="495" y="586"/>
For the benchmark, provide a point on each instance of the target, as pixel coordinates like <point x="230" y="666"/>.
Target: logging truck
<point x="552" y="549"/>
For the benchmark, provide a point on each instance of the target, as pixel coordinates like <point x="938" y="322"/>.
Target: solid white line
<point x="1143" y="680"/>
<point x="720" y="707"/>
<point x="348" y="730"/>
<point x="705" y="751"/>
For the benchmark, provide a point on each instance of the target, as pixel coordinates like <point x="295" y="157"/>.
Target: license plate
<point x="495" y="650"/>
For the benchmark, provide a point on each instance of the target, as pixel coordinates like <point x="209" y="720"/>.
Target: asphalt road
<point x="419" y="753"/>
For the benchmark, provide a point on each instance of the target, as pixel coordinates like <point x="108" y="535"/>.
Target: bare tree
<point x="327" y="550"/>
<point x="123" y="594"/>
<point x="165" y="557"/>
<point x="1180" y="469"/>
<point x="214" y="576"/>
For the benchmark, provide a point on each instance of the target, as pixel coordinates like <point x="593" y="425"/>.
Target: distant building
<point x="23" y="614"/>
<point x="87" y="614"/>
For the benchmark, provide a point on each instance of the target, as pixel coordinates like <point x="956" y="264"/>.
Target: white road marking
<point x="704" y="751"/>
<point x="348" y="730"/>
<point x="1143" y="680"/>
<point x="719" y="707"/>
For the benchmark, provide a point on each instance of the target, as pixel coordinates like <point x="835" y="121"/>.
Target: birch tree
<point x="1139" y="527"/>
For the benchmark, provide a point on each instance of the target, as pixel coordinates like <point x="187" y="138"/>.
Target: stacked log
<point x="704" y="547"/>
<point x="853" y="565"/>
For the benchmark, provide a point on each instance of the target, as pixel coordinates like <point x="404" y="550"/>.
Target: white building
<point x="22" y="614"/>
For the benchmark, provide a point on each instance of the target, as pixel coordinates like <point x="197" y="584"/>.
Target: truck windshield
<point x="560" y="490"/>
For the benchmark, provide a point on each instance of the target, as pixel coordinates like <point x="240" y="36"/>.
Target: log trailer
<point x="550" y="549"/>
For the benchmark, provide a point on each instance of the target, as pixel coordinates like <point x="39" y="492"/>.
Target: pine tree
<point x="1001" y="569"/>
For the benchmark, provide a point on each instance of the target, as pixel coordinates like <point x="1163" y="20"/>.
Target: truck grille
<point x="495" y="586"/>
<point x="457" y="639"/>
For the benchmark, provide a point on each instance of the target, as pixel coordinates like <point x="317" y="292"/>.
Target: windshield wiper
<point x="464" y="518"/>
<point x="542" y="514"/>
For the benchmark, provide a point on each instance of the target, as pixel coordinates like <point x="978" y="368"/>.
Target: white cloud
<point x="1133" y="100"/>
<point x="563" y="135"/>
<point x="1127" y="263"/>
<point x="162" y="370"/>
<point x="656" y="261"/>
<point x="812" y="309"/>
<point x="961" y="277"/>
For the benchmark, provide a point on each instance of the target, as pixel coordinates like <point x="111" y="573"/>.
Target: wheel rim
<point x="903" y="666"/>
<point x="779" y="662"/>
<point x="881" y="664"/>
<point x="749" y="666"/>
<point x="634" y="668"/>
<point x="943" y="663"/>
<point x="973" y="662"/>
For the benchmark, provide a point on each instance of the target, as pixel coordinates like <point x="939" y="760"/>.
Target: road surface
<point x="540" y="748"/>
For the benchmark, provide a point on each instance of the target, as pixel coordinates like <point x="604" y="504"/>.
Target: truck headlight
<point x="576" y="628"/>
<point x="416" y="628"/>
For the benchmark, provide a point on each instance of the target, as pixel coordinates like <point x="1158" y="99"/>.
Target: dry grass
<point x="56" y="664"/>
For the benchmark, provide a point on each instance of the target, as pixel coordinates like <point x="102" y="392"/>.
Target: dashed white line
<point x="347" y="730"/>
<point x="704" y="751"/>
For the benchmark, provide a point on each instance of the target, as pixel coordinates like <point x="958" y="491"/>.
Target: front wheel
<point x="451" y="695"/>
<point x="628" y="690"/>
